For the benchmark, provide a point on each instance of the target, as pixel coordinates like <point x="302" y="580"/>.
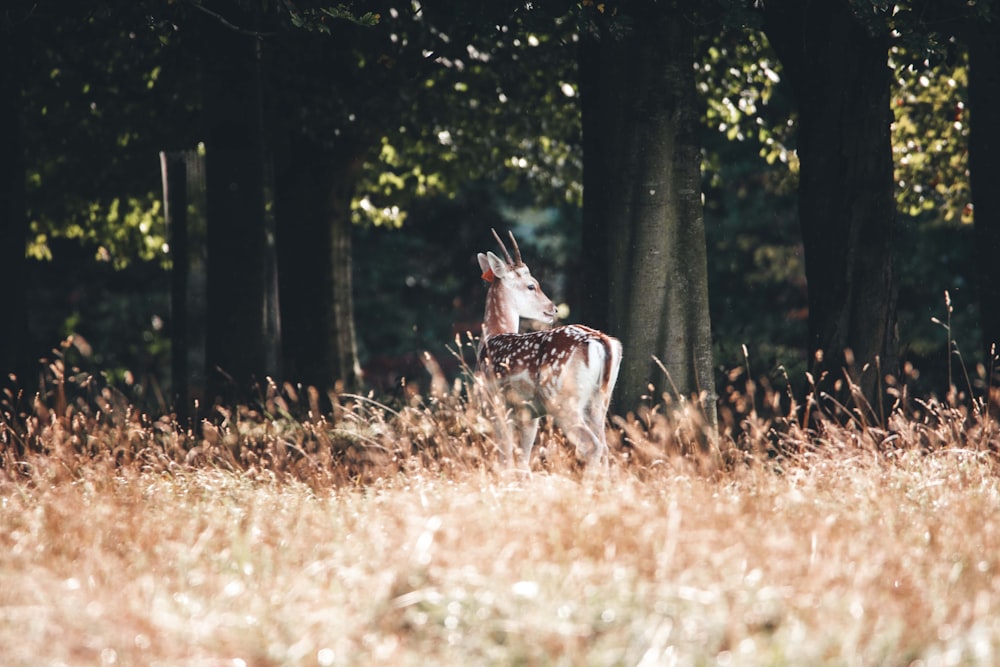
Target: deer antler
<point x="517" y="251"/>
<point x="504" y="248"/>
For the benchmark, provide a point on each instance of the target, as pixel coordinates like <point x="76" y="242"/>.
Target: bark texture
<point x="837" y="66"/>
<point x="173" y="168"/>
<point x="984" y="144"/>
<point x="14" y="352"/>
<point x="314" y="187"/>
<point x="595" y="256"/>
<point x="643" y="184"/>
<point x="241" y="338"/>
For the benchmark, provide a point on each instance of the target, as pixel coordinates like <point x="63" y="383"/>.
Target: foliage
<point x="110" y="323"/>
<point x="318" y="18"/>
<point x="931" y="135"/>
<point x="739" y="80"/>
<point x="486" y="94"/>
<point x="459" y="108"/>
<point x="757" y="275"/>
<point x="756" y="269"/>
<point x="94" y="126"/>
<point x="939" y="310"/>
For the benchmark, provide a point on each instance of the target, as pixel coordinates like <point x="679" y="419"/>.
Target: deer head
<point x="514" y="292"/>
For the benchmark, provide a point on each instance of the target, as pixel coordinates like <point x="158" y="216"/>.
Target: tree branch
<point x="232" y="26"/>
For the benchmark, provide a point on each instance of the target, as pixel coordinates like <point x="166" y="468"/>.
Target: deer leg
<point x="504" y="439"/>
<point x="597" y="416"/>
<point x="573" y="422"/>
<point x="529" y="429"/>
<point x="590" y="449"/>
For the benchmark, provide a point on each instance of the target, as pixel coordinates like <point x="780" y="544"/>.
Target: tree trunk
<point x="240" y="336"/>
<point x="343" y="338"/>
<point x="594" y="275"/>
<point x="837" y="67"/>
<point x="173" y="167"/>
<point x="14" y="353"/>
<point x="984" y="142"/>
<point x="303" y="267"/>
<point x="314" y="191"/>
<point x="647" y="168"/>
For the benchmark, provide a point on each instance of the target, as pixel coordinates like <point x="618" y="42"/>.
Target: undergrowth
<point x="73" y="424"/>
<point x="279" y="532"/>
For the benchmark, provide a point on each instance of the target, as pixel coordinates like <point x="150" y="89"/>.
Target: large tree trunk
<point x="241" y="336"/>
<point x="837" y="67"/>
<point x="14" y="353"/>
<point x="316" y="176"/>
<point x="984" y="163"/>
<point x="594" y="275"/>
<point x="648" y="169"/>
<point x="314" y="244"/>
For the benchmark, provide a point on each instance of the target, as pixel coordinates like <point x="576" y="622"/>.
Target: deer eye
<point x="531" y="288"/>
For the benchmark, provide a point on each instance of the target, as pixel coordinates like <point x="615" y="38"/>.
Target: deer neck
<point x="500" y="315"/>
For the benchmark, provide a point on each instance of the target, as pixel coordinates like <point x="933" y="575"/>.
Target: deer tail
<point x="612" y="363"/>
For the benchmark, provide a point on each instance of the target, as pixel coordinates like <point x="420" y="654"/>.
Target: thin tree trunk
<point x="984" y="163"/>
<point x="14" y="352"/>
<point x="343" y="338"/>
<point x="649" y="159"/>
<point x="174" y="171"/>
<point x="837" y="66"/>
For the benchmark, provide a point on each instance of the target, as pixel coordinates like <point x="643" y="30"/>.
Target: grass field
<point x="377" y="536"/>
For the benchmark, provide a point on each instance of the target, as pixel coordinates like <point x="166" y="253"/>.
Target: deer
<point x="566" y="372"/>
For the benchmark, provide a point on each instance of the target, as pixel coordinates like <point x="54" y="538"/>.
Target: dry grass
<point x="369" y="535"/>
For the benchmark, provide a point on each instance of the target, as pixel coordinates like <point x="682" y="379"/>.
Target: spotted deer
<point x="566" y="372"/>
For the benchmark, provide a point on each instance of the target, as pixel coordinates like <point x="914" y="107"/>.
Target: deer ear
<point x="497" y="265"/>
<point x="484" y="266"/>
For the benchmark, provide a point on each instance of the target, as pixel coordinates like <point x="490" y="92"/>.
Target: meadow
<point x="284" y="533"/>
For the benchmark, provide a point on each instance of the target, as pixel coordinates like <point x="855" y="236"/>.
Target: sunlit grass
<point x="282" y="534"/>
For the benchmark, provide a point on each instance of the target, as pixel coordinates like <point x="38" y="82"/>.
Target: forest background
<point x="369" y="148"/>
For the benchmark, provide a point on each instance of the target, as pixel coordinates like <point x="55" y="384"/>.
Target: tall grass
<point x="282" y="534"/>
